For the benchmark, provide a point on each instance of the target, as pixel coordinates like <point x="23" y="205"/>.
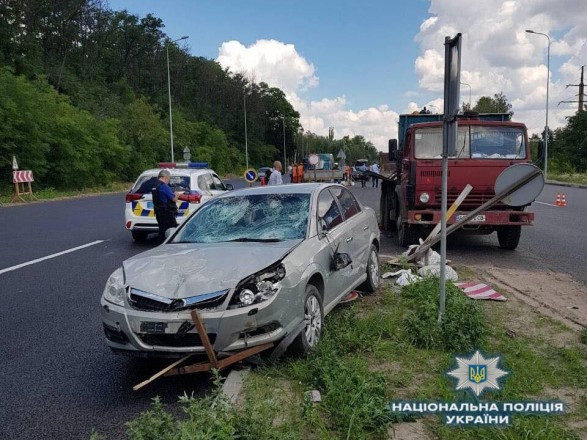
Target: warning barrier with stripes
<point x="480" y="291"/>
<point x="22" y="176"/>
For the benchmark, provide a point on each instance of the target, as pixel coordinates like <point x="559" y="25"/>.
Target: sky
<point x="356" y="65"/>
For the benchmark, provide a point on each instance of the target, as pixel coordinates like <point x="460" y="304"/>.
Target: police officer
<point x="164" y="203"/>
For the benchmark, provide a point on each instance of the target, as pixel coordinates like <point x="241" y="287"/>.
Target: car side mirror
<point x="340" y="261"/>
<point x="392" y="149"/>
<point x="322" y="228"/>
<point x="229" y="186"/>
<point x="169" y="232"/>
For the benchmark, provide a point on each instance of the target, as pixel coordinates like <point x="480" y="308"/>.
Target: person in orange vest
<point x="294" y="174"/>
<point x="347" y="174"/>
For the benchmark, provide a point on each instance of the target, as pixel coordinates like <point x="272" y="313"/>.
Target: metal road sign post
<point x="452" y="79"/>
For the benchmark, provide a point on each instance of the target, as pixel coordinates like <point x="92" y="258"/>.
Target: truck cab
<point x="486" y="145"/>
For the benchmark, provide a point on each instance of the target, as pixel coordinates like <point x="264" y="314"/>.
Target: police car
<point x="195" y="182"/>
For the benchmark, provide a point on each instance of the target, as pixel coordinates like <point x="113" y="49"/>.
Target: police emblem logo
<point x="477" y="373"/>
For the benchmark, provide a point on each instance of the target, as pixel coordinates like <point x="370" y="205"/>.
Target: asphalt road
<point x="59" y="380"/>
<point x="557" y="241"/>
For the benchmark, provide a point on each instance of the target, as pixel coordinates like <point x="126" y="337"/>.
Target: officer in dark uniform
<point x="164" y="203"/>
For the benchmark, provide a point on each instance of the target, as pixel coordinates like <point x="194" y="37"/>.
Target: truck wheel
<point x="406" y="235"/>
<point x="384" y="212"/>
<point x="139" y="236"/>
<point x="509" y="237"/>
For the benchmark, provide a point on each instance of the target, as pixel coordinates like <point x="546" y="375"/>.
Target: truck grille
<point x="432" y="173"/>
<point x="473" y="200"/>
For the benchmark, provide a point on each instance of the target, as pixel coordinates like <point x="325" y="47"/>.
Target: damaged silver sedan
<point x="257" y="264"/>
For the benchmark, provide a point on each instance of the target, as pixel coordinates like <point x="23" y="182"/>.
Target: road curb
<point x="567" y="184"/>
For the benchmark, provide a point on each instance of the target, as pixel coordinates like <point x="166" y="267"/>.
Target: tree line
<point x="83" y="99"/>
<point x="567" y="146"/>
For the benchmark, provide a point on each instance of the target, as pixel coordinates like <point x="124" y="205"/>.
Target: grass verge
<point x="52" y="193"/>
<point x="580" y="178"/>
<point x="388" y="347"/>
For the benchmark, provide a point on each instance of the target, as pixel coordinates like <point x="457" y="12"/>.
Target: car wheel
<point x="308" y="338"/>
<point x="372" y="282"/>
<point x="139" y="236"/>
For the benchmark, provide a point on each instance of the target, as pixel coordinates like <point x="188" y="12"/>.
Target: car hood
<point x="186" y="270"/>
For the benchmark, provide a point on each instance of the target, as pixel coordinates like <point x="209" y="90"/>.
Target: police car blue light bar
<point x="196" y="165"/>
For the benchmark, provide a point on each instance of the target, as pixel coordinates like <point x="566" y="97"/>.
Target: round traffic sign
<point x="527" y="193"/>
<point x="314" y="159"/>
<point x="251" y="175"/>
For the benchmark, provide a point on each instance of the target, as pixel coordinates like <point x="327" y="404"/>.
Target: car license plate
<point x="153" y="327"/>
<point x="149" y="205"/>
<point x="477" y="218"/>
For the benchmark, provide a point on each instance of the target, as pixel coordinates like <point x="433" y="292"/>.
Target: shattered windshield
<point x="259" y="217"/>
<point x="477" y="142"/>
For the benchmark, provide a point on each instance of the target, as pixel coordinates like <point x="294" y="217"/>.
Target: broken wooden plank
<point x="161" y="373"/>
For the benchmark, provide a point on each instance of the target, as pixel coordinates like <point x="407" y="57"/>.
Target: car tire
<point x="308" y="338"/>
<point x="372" y="283"/>
<point x="509" y="236"/>
<point x="139" y="236"/>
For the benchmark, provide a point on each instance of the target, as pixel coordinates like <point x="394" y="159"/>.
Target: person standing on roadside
<point x="164" y="203"/>
<point x="363" y="169"/>
<point x="375" y="180"/>
<point x="275" y="178"/>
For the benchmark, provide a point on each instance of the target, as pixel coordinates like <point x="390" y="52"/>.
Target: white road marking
<point x="48" y="257"/>
<point x="543" y="203"/>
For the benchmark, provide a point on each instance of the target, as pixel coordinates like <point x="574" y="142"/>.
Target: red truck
<point x="486" y="145"/>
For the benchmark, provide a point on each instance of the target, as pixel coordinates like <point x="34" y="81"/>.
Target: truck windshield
<point x="477" y="142"/>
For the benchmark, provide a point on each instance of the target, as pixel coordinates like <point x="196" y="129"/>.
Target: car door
<point x="204" y="182"/>
<point x="336" y="238"/>
<point x="217" y="186"/>
<point x="357" y="225"/>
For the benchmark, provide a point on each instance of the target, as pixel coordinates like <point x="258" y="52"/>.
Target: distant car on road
<point x="257" y="263"/>
<point x="263" y="172"/>
<point x="198" y="184"/>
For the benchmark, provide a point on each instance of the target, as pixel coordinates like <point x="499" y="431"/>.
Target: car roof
<point x="291" y="188"/>
<point x="187" y="172"/>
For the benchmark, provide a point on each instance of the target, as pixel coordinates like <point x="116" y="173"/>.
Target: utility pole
<point x="581" y="95"/>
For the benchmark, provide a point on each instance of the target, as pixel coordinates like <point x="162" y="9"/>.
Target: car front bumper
<point x="172" y="333"/>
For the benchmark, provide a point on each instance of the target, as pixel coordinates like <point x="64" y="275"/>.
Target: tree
<point x="570" y="145"/>
<point x="497" y="104"/>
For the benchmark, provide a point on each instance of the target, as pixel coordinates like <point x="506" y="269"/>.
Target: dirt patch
<point x="553" y="294"/>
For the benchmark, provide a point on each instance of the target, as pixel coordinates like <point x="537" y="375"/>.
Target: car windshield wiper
<point x="249" y="239"/>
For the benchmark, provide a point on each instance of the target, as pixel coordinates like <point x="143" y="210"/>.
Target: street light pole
<point x="547" y="84"/>
<point x="169" y="93"/>
<point x="465" y="84"/>
<point x="284" y="153"/>
<point x="246" y="137"/>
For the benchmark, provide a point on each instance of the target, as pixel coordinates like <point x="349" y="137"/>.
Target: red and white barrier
<point x="22" y="176"/>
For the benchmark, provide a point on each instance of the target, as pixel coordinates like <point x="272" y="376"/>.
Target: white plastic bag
<point x="433" y="270"/>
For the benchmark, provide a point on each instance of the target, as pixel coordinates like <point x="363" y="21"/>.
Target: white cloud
<point x="271" y="61"/>
<point x="499" y="56"/>
<point x="280" y="65"/>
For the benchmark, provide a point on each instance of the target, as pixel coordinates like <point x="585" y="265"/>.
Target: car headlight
<point x="424" y="197"/>
<point x="114" y="290"/>
<point x="258" y="287"/>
